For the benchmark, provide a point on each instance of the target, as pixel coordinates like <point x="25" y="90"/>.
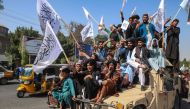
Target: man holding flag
<point x="172" y="41"/>
<point x="131" y="29"/>
<point x="146" y="30"/>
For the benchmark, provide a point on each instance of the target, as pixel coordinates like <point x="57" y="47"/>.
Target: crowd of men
<point x="124" y="59"/>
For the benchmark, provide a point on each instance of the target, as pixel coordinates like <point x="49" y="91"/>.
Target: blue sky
<point x="23" y="13"/>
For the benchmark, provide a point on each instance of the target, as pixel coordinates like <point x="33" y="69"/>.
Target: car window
<point x="27" y="72"/>
<point x="2" y="69"/>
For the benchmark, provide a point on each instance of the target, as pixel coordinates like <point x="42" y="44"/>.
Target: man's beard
<point x="130" y="47"/>
<point x="145" y="22"/>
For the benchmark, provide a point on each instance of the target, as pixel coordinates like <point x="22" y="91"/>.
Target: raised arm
<point x="167" y="20"/>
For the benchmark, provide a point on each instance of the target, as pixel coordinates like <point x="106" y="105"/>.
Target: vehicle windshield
<point x="26" y="72"/>
<point x="2" y="69"/>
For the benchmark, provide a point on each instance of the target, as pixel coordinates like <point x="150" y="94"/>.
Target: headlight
<point x="27" y="82"/>
<point x="1" y="74"/>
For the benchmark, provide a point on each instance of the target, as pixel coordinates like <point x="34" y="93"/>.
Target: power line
<point x="18" y="13"/>
<point x="17" y="22"/>
<point x="20" y="19"/>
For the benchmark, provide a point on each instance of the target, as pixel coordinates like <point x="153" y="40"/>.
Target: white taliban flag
<point x="87" y="31"/>
<point x="47" y="13"/>
<point x="125" y="25"/>
<point x="101" y="25"/>
<point x="101" y="28"/>
<point x="124" y="2"/>
<point x="102" y="20"/>
<point x="134" y="11"/>
<point x="182" y="68"/>
<point x="186" y="6"/>
<point x="49" y="50"/>
<point x="160" y="17"/>
<point x="87" y="14"/>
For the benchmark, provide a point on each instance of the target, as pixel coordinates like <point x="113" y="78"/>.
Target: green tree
<point x="16" y="49"/>
<point x="101" y="38"/>
<point x="68" y="42"/>
<point x="1" y="5"/>
<point x="68" y="47"/>
<point x="76" y="28"/>
<point x="185" y="63"/>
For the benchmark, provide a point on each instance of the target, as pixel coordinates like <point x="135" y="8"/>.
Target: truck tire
<point x="3" y="81"/>
<point x="20" y="94"/>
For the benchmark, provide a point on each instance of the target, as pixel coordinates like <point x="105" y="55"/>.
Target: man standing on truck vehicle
<point x="146" y="30"/>
<point x="131" y="29"/>
<point x="172" y="41"/>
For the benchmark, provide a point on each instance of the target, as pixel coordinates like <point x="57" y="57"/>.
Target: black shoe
<point x="142" y="88"/>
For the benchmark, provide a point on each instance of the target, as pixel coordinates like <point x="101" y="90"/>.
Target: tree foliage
<point x="68" y="42"/>
<point x="76" y="28"/>
<point x="185" y="63"/>
<point x="17" y="52"/>
<point x="16" y="49"/>
<point x="101" y="38"/>
<point x="68" y="47"/>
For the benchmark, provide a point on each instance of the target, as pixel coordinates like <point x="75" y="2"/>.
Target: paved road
<point x="9" y="100"/>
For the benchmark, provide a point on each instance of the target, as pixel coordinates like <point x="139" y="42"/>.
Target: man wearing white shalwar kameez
<point x="139" y="60"/>
<point x="126" y="69"/>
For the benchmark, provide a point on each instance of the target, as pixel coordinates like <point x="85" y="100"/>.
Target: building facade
<point x="4" y="43"/>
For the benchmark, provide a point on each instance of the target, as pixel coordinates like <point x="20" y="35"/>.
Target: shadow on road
<point x="38" y="95"/>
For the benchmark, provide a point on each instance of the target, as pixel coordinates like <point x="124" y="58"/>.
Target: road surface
<point x="9" y="100"/>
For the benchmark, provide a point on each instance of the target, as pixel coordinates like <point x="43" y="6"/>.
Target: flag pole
<point x="94" y="20"/>
<point x="124" y="2"/>
<point x="67" y="27"/>
<point x="177" y="13"/>
<point x="66" y="56"/>
<point x="85" y="11"/>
